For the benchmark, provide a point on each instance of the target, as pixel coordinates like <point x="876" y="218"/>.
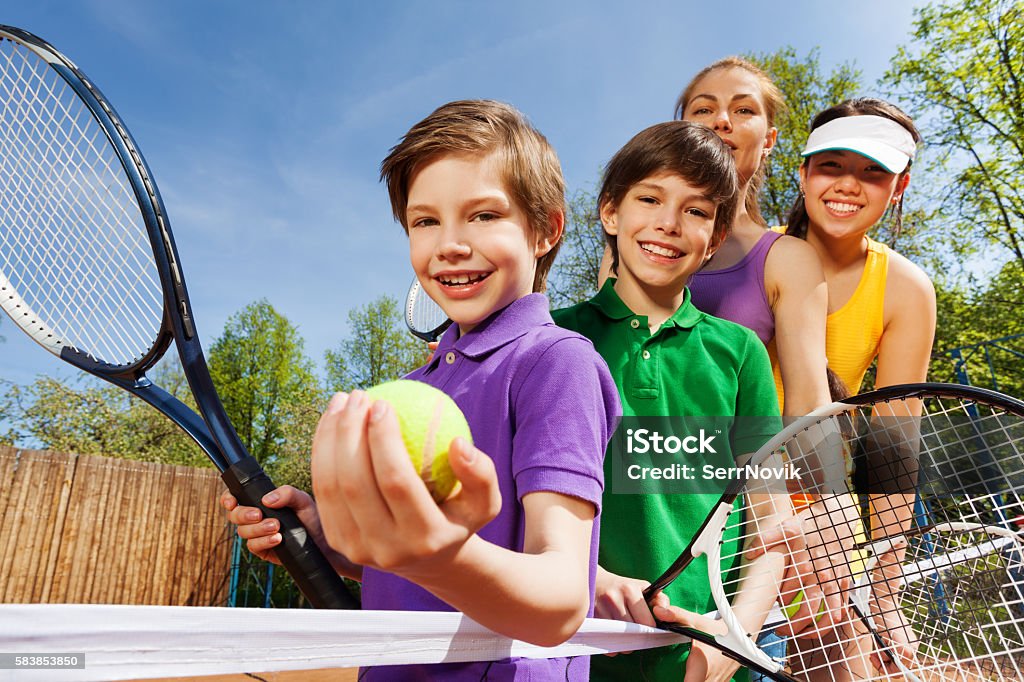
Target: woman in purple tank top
<point x="771" y="284"/>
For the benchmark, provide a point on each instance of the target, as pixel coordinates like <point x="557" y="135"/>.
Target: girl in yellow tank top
<point x="881" y="306"/>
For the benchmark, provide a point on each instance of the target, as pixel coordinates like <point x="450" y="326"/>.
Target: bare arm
<point x="903" y="357"/>
<point x="909" y="325"/>
<point x="798" y="295"/>
<point x="541" y="594"/>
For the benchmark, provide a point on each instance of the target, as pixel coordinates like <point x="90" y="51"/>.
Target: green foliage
<point x="267" y="385"/>
<point x="95" y="418"/>
<point x="807" y="91"/>
<point x="977" y="321"/>
<point x="574" y="275"/>
<point x="963" y="78"/>
<point x="378" y="348"/>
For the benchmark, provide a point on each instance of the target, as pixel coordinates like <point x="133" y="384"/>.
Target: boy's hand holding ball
<point x="371" y="500"/>
<point x="429" y="420"/>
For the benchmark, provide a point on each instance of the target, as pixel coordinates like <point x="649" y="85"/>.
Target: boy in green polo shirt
<point x="666" y="202"/>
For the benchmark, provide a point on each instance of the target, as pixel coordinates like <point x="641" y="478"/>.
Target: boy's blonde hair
<point x="527" y="163"/>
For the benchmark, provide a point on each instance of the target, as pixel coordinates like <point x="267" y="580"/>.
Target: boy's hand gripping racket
<point x="926" y="552"/>
<point x="89" y="269"/>
<point x="423" y="315"/>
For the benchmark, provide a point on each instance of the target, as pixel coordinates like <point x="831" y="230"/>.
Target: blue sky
<point x="265" y="122"/>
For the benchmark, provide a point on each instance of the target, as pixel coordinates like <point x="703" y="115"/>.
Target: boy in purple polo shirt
<point x="480" y="194"/>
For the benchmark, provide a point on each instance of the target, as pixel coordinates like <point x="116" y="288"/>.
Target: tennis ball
<point x="792" y="607"/>
<point x="429" y="420"/>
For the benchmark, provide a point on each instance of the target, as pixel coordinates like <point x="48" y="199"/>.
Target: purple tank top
<point x="737" y="293"/>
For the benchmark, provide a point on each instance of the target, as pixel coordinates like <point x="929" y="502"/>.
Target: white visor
<point x="876" y="137"/>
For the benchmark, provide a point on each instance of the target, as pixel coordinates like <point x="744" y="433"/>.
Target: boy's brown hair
<point x="693" y="152"/>
<point x="528" y="164"/>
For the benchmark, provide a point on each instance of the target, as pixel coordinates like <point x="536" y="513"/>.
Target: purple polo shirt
<point x="541" y="402"/>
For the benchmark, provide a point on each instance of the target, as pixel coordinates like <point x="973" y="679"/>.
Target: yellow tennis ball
<point x="792" y="607"/>
<point x="429" y="420"/>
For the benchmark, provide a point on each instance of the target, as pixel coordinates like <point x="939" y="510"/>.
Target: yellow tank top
<point x="852" y="333"/>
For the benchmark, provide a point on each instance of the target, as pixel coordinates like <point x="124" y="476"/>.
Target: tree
<point x="574" y="277"/>
<point x="267" y="384"/>
<point x="963" y="77"/>
<point x="378" y="348"/>
<point x="971" y="322"/>
<point x="95" y="418"/>
<point x="807" y="91"/>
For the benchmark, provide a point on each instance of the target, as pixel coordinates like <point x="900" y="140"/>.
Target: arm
<point x="798" y="296"/>
<point x="903" y="356"/>
<point x="376" y="510"/>
<point x="909" y="325"/>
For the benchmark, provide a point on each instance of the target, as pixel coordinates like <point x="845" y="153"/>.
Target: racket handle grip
<point x="303" y="560"/>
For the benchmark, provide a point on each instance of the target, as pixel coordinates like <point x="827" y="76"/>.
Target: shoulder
<point x="908" y="278"/>
<point x="569" y="317"/>
<point x="552" y="347"/>
<point x="791" y="256"/>
<point x="725" y="338"/>
<point x="908" y="289"/>
<point x="793" y="264"/>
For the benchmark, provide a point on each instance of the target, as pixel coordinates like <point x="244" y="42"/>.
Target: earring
<point x="766" y="152"/>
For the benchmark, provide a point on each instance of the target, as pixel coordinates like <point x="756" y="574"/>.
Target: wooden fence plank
<point x="78" y="529"/>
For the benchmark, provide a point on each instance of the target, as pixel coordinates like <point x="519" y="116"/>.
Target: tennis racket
<point x="916" y="517"/>
<point x="89" y="269"/>
<point x="423" y="315"/>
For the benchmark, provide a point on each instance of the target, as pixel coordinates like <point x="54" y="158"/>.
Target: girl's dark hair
<point x="692" y="151"/>
<point x="837" y="388"/>
<point x="797" y="223"/>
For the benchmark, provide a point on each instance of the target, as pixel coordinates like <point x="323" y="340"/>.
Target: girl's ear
<point x="901" y="187"/>
<point x="609" y="217"/>
<point x="556" y="226"/>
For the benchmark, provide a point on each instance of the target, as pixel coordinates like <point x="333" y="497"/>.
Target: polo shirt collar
<point x="500" y="329"/>
<point x="611" y="306"/>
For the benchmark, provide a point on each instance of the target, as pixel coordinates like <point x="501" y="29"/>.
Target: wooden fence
<point x="85" y="529"/>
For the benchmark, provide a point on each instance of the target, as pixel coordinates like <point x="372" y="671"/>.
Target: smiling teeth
<point x="461" y="279"/>
<point x="660" y="250"/>
<point x="839" y="207"/>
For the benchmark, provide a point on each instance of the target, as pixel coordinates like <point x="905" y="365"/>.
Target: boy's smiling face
<point x="470" y="243"/>
<point x="664" y="230"/>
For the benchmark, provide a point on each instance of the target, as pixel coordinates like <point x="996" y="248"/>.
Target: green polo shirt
<point x="693" y="365"/>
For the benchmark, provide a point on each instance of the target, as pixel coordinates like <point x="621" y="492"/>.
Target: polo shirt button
<point x="647" y="355"/>
<point x="634" y="323"/>
<point x="449" y="357"/>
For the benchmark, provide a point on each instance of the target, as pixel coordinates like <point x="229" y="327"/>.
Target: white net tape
<point x="76" y="265"/>
<point x="136" y="642"/>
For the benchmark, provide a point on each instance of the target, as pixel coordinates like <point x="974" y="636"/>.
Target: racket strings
<point x="76" y="265"/>
<point x="914" y="518"/>
<point x="423" y="315"/>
